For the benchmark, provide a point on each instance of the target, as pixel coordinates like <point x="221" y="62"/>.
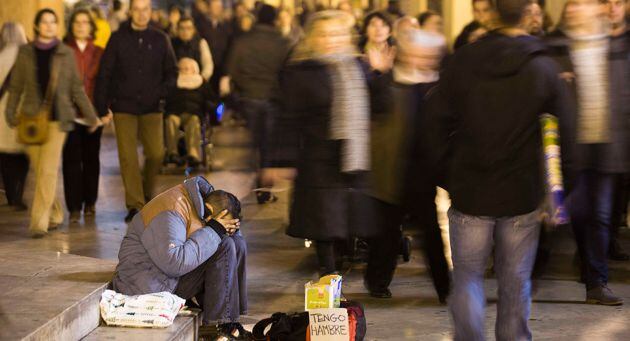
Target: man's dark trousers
<point x="219" y="284"/>
<point x="591" y="209"/>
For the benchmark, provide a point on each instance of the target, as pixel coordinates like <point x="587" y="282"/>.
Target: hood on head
<point x="198" y="188"/>
<point x="498" y="55"/>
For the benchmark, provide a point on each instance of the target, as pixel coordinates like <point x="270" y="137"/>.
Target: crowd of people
<point x="367" y="115"/>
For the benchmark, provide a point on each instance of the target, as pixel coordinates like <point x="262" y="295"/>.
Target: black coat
<point x="327" y="203"/>
<point x="187" y="49"/>
<point x="190" y="101"/>
<point x="255" y="61"/>
<point x="487" y="110"/>
<point x="605" y="157"/>
<point x="400" y="152"/>
<point x="138" y="69"/>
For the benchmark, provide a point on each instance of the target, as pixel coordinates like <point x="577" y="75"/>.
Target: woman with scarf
<point x="37" y="64"/>
<point x="81" y="161"/>
<point x="323" y="139"/>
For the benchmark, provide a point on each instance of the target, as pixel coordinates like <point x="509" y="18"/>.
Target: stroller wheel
<point x="405" y="249"/>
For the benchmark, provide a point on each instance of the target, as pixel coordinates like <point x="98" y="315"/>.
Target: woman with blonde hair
<point x="13" y="160"/>
<point x="323" y="139"/>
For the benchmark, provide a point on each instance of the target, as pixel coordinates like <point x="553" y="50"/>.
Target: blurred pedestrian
<point x="138" y="69"/>
<point x="118" y="15"/>
<point x="253" y="66"/>
<point x="472" y="33"/>
<point x="103" y="31"/>
<point x="404" y="24"/>
<point x="376" y="33"/>
<point x="288" y="27"/>
<point x="245" y="24"/>
<point x="489" y="144"/>
<point x="175" y="13"/>
<point x="619" y="29"/>
<point x="402" y="181"/>
<point x="595" y="67"/>
<point x="188" y="44"/>
<point x="323" y="136"/>
<point x="485" y="17"/>
<point x="431" y="21"/>
<point x="45" y="76"/>
<point x="13" y="159"/>
<point x="81" y="152"/>
<point x="218" y="32"/>
<point x="186" y="107"/>
<point x="239" y="11"/>
<point x="534" y="19"/>
<point x="393" y="9"/>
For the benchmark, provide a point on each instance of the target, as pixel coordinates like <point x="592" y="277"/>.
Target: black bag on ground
<point x="284" y="327"/>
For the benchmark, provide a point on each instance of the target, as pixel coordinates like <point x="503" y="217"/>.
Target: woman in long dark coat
<point x="324" y="133"/>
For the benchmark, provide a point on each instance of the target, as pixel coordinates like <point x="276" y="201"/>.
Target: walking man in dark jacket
<point x="137" y="71"/>
<point x="489" y="120"/>
<point x="253" y="66"/>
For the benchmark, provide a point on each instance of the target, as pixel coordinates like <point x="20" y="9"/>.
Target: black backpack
<point x="284" y="327"/>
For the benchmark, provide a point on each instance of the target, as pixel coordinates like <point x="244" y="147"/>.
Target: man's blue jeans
<point x="219" y="284"/>
<point x="515" y="240"/>
<point x="591" y="208"/>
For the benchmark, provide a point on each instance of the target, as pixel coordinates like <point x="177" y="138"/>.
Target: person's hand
<point x="93" y="128"/>
<point x="230" y="225"/>
<point x="381" y="60"/>
<point x="107" y="119"/>
<point x="224" y="86"/>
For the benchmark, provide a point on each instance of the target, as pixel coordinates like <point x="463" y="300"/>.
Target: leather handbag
<point x="33" y="129"/>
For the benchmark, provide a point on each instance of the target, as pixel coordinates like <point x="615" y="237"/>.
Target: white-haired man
<point x="401" y="185"/>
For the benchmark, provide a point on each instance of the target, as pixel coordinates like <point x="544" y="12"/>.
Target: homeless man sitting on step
<point x="187" y="241"/>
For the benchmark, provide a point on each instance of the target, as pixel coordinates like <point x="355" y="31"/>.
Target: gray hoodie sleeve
<point x="166" y="243"/>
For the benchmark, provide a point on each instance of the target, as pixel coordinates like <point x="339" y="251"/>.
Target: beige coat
<point x="24" y="94"/>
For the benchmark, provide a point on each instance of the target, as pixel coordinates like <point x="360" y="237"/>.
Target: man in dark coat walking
<point x="137" y="71"/>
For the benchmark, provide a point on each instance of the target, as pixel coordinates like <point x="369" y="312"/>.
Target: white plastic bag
<point x="152" y="310"/>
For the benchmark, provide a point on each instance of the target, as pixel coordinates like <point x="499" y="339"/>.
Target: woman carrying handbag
<point x="44" y="89"/>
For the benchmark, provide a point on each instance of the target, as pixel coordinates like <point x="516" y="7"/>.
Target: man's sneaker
<point x="602" y="295"/>
<point x="130" y="215"/>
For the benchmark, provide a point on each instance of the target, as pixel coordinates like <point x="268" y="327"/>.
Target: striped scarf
<point x="350" y="112"/>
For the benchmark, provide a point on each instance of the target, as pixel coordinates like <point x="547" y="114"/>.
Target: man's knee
<point x="240" y="244"/>
<point x="227" y="248"/>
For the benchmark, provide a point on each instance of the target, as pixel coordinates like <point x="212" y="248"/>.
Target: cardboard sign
<point x="329" y="324"/>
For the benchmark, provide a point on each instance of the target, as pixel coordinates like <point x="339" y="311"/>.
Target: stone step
<point x="184" y="328"/>
<point x="46" y="295"/>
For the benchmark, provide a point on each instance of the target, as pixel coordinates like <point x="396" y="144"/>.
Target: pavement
<point x="278" y="267"/>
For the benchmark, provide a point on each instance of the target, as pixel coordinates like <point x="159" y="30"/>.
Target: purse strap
<point x="52" y="85"/>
